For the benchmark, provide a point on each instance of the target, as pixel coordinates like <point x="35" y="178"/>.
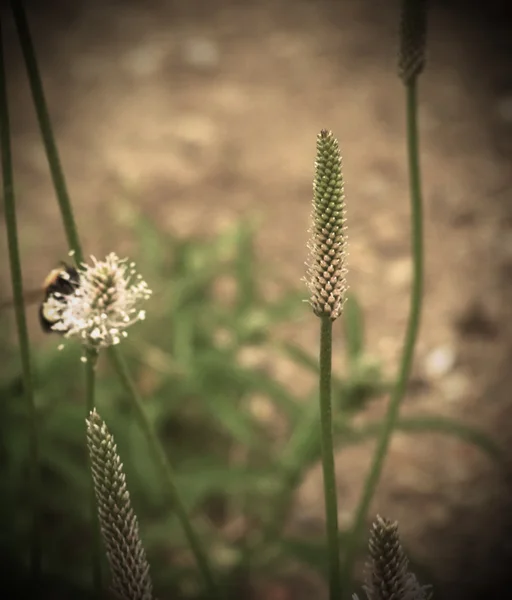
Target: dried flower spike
<point x="388" y="576"/>
<point x="119" y="526"/>
<point x="413" y="39"/>
<point x="327" y="246"/>
<point x="105" y="303"/>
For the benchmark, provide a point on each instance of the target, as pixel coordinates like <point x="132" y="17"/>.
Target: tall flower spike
<point x="326" y="266"/>
<point x="413" y="39"/>
<point x="105" y="303"/>
<point x="119" y="526"/>
<point x="388" y="577"/>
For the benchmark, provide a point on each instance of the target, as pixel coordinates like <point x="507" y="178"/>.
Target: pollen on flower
<point x="105" y="303"/>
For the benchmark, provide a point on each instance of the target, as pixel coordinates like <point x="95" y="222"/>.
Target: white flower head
<point x="106" y="301"/>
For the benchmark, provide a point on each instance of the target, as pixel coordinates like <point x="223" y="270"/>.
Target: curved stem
<point x="21" y="323"/>
<point x="167" y="472"/>
<point x="410" y="338"/>
<point x="329" y="473"/>
<point x="43" y="117"/>
<point x="90" y="386"/>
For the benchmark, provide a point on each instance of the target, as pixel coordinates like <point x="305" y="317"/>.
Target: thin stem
<point x="43" y="118"/>
<point x="21" y="323"/>
<point x="90" y="387"/>
<point x="330" y="491"/>
<point x="166" y="469"/>
<point x="410" y="336"/>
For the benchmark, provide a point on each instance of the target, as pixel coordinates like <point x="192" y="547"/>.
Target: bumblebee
<point x="60" y="282"/>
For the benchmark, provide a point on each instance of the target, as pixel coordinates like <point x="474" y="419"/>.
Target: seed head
<point x="413" y="39"/>
<point x="119" y="526"/>
<point x="105" y="303"/>
<point x="326" y="268"/>
<point x="388" y="575"/>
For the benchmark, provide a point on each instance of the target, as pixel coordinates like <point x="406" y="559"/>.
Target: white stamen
<point x="105" y="303"/>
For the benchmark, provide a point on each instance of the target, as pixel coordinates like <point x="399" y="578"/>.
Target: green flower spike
<point x="119" y="526"/>
<point x="326" y="274"/>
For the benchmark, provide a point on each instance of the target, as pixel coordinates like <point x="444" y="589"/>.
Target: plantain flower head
<point x="326" y="265"/>
<point x="119" y="525"/>
<point x="107" y="300"/>
<point x="388" y="575"/>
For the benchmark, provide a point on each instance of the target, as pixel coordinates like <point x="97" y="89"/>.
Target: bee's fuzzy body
<point x="59" y="283"/>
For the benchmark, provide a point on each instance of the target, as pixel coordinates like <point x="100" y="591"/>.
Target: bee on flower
<point x="98" y="302"/>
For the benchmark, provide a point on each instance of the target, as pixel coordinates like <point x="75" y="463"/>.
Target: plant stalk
<point x="43" y="117"/>
<point x="410" y="337"/>
<point x="96" y="551"/>
<point x="329" y="473"/>
<point x="167" y="472"/>
<point x="21" y="322"/>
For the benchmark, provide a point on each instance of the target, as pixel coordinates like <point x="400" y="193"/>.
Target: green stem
<point x="330" y="491"/>
<point x="17" y="286"/>
<point x="90" y="386"/>
<point x="43" y="118"/>
<point x="167" y="472"/>
<point x="410" y="337"/>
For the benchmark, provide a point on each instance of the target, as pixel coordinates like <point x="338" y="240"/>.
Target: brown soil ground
<point x="208" y="111"/>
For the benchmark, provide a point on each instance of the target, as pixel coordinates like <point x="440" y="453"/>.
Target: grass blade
<point x="21" y="322"/>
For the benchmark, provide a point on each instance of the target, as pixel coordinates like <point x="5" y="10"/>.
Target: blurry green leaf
<point x="153" y="247"/>
<point x="429" y="424"/>
<point x="303" y="446"/>
<point x="311" y="552"/>
<point x="65" y="465"/>
<point x="364" y="382"/>
<point x="235" y="420"/>
<point x="309" y="362"/>
<point x="285" y="307"/>
<point x="300" y="356"/>
<point x="183" y="340"/>
<point x="142" y="474"/>
<point x="199" y="479"/>
<point x="244" y="269"/>
<point x="353" y="322"/>
<point x="256" y="381"/>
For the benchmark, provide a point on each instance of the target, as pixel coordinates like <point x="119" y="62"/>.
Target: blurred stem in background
<point x="411" y="63"/>
<point x="59" y="183"/>
<point x="90" y="381"/>
<point x="43" y="117"/>
<point x="21" y="322"/>
<point x="167" y="472"/>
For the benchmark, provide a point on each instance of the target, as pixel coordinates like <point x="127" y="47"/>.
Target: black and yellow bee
<point x="61" y="281"/>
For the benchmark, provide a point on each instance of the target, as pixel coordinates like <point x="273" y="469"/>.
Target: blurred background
<point x="187" y="133"/>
